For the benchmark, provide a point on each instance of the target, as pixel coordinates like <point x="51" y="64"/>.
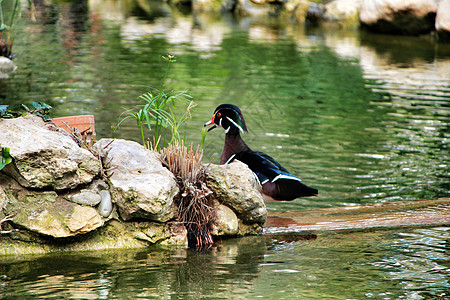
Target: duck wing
<point x="276" y="181"/>
<point x="264" y="166"/>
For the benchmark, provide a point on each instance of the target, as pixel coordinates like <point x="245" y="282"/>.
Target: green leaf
<point x="147" y="118"/>
<point x="5" y="157"/>
<point x="24" y="107"/>
<point x="6" y="152"/>
<point x="3" y="110"/>
<point x="37" y="105"/>
<point x="121" y="121"/>
<point x="46" y="118"/>
<point x="45" y="106"/>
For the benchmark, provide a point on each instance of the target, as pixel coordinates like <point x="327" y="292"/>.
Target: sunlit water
<point x="361" y="117"/>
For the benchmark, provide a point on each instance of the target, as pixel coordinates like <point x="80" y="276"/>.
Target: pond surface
<point x="364" y="118"/>
<point x="407" y="264"/>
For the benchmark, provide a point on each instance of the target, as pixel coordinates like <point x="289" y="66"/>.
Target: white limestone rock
<point x="44" y="156"/>
<point x="142" y="188"/>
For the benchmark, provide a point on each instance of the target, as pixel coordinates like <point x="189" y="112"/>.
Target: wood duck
<point x="276" y="182"/>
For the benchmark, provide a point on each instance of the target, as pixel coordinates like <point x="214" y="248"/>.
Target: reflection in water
<point x="414" y="94"/>
<point x="229" y="268"/>
<point x="407" y="264"/>
<point x="388" y="265"/>
<point x="363" y="123"/>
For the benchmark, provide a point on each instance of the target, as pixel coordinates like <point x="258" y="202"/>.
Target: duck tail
<point x="290" y="190"/>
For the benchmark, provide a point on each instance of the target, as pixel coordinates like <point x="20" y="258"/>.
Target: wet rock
<point x="165" y="234"/>
<point x="45" y="157"/>
<point x="86" y="197"/>
<point x="411" y="17"/>
<point x="142" y="188"/>
<point x="45" y="213"/>
<point x="226" y="223"/>
<point x="346" y="12"/>
<point x="443" y="20"/>
<point x="106" y="206"/>
<point x="235" y="186"/>
<point x="113" y="235"/>
<point x="249" y="229"/>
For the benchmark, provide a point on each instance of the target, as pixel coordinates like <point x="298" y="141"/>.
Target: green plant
<point x="7" y="43"/>
<point x="5" y="157"/>
<point x="204" y="133"/>
<point x="40" y="109"/>
<point x="158" y="112"/>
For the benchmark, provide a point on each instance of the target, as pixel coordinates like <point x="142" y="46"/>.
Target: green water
<point x="407" y="264"/>
<point x="364" y="118"/>
<point x="361" y="117"/>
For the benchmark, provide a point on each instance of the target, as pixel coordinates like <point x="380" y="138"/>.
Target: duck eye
<point x="218" y="114"/>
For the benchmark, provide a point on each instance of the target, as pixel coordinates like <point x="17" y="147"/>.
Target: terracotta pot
<point x="85" y="124"/>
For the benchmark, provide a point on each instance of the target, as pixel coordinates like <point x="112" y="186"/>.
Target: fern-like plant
<point x="158" y="113"/>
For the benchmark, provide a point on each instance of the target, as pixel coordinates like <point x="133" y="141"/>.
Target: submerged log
<point x="372" y="216"/>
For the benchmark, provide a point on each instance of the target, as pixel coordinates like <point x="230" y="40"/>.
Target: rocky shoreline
<point x="59" y="196"/>
<point x="409" y="17"/>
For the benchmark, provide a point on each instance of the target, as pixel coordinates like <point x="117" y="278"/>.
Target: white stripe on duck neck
<point x="235" y="124"/>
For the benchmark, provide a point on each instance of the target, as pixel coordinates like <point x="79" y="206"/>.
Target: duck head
<point x="229" y="117"/>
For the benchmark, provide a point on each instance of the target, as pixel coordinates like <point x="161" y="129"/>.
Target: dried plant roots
<point x="195" y="204"/>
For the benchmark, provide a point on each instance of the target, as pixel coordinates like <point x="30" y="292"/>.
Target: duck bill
<point x="211" y="122"/>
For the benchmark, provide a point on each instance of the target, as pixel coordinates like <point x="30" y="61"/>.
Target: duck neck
<point x="233" y="144"/>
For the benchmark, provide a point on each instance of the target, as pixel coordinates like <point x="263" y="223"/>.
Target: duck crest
<point x="229" y="117"/>
<point x="276" y="182"/>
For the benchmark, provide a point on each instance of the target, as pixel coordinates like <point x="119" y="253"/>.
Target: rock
<point x="98" y="185"/>
<point x="443" y="20"/>
<point x="142" y="188"/>
<point x="45" y="213"/>
<point x="297" y="9"/>
<point x="86" y="197"/>
<point x="81" y="220"/>
<point x="226" y="223"/>
<point x="45" y="157"/>
<point x="249" y="229"/>
<point x="105" y="208"/>
<point x="165" y="234"/>
<point x="346" y="12"/>
<point x="205" y="5"/>
<point x="315" y="13"/>
<point x="7" y="66"/>
<point x="113" y="235"/>
<point x="249" y="7"/>
<point x="235" y="186"/>
<point x="3" y="200"/>
<point x="410" y="17"/>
